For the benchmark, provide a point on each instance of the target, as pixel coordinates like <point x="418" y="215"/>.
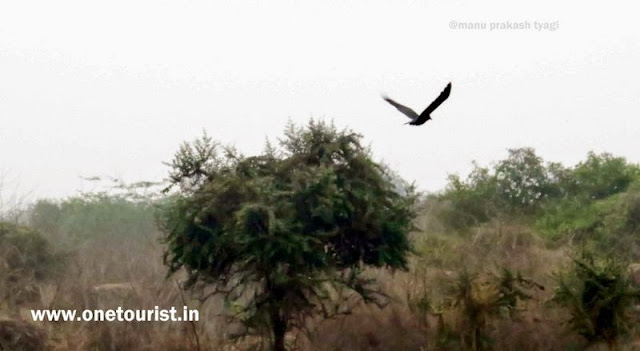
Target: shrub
<point x="597" y="292"/>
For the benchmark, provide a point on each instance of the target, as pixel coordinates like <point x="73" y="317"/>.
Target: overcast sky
<point x="112" y="88"/>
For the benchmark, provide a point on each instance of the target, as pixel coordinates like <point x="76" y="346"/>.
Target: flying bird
<point x="416" y="119"/>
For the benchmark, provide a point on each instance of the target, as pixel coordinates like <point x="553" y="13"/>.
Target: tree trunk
<point x="278" y="319"/>
<point x="279" y="329"/>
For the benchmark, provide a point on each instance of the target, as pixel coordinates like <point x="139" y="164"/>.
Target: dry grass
<point x="420" y="316"/>
<point x="107" y="275"/>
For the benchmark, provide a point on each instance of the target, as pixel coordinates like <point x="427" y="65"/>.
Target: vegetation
<point x="93" y="216"/>
<point x="289" y="232"/>
<point x="26" y="258"/>
<point x="598" y="293"/>
<point x="520" y="254"/>
<point x="564" y="203"/>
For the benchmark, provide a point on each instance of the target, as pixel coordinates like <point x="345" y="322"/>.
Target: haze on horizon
<point x="112" y="89"/>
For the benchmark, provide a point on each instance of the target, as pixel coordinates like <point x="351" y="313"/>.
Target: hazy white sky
<point x="113" y="87"/>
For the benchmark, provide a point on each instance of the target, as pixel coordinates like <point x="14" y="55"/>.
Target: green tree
<point x="600" y="176"/>
<point x="287" y="234"/>
<point x="594" y="200"/>
<point x="517" y="185"/>
<point x="523" y="181"/>
<point x="471" y="201"/>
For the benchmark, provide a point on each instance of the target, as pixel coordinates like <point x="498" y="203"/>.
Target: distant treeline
<point x="596" y="200"/>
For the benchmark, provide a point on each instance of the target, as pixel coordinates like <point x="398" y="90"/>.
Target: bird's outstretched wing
<point x="404" y="109"/>
<point x="438" y="101"/>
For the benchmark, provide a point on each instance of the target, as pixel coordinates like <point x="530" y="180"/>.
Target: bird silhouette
<point x="416" y="119"/>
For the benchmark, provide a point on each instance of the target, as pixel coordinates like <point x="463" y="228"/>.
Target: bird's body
<point x="416" y="119"/>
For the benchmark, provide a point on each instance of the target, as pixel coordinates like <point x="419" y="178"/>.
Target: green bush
<point x="598" y="293"/>
<point x="573" y="220"/>
<point x="600" y="176"/>
<point x="26" y="258"/>
<point x="610" y="224"/>
<point x="515" y="186"/>
<point x="24" y="248"/>
<point x="565" y="203"/>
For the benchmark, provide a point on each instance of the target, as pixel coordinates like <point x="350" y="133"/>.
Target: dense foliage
<point x="598" y="294"/>
<point x="89" y="217"/>
<point x="286" y="232"/>
<point x="572" y="203"/>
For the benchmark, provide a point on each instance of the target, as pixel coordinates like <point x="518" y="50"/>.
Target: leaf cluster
<point x="288" y="230"/>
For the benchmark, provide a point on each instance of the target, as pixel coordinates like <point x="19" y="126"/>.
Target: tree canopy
<point x="284" y="231"/>
<point x="522" y="184"/>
